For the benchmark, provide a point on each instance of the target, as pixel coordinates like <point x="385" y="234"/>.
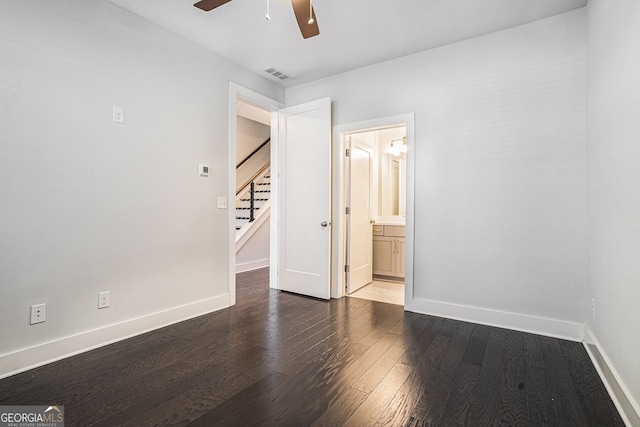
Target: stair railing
<point x="253" y="178"/>
<point x="252" y="153"/>
<point x="252" y="201"/>
<point x="252" y="189"/>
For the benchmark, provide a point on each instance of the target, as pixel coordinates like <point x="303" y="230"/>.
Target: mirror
<point x="388" y="186"/>
<point x="393" y="170"/>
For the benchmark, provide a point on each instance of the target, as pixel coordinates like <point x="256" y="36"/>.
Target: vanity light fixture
<point x="398" y="149"/>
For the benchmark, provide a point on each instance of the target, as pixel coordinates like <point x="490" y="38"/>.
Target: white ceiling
<point x="353" y="33"/>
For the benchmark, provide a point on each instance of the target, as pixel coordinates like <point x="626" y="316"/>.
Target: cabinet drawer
<point x="378" y="230"/>
<point x="394" y="230"/>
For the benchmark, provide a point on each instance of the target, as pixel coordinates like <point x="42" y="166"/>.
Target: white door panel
<point x="304" y="243"/>
<point x="360" y="232"/>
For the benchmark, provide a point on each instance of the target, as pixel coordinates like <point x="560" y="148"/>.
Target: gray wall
<point x="87" y="205"/>
<point x="613" y="41"/>
<point x="249" y="136"/>
<point x="500" y="181"/>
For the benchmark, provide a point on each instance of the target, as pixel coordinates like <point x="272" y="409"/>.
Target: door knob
<point x="324" y="224"/>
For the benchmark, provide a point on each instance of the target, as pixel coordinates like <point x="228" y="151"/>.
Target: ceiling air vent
<point x="279" y="74"/>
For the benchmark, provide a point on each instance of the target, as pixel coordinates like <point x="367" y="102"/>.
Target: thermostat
<point x="203" y="169"/>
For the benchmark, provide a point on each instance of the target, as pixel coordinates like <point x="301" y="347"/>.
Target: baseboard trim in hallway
<point x="620" y="395"/>
<point x="501" y="319"/>
<point x="61" y="348"/>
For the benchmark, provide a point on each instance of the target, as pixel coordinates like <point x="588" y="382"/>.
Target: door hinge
<point x="346" y="268"/>
<point x="348" y="152"/>
<point x="347" y="211"/>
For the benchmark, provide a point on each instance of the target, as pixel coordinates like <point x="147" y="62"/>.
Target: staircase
<point x="253" y="197"/>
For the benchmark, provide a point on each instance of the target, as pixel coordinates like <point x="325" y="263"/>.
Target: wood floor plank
<point x="595" y="402"/>
<point x="234" y="410"/>
<point x="372" y="408"/>
<point x="403" y="403"/>
<point x="534" y="351"/>
<point x="513" y="399"/>
<point x="463" y="392"/>
<point x="311" y="391"/>
<point x="431" y="403"/>
<point x="476" y="346"/>
<point x="372" y="377"/>
<point x="447" y="369"/>
<point x="340" y="410"/>
<point x="486" y="405"/>
<point x="567" y="408"/>
<point x="205" y="389"/>
<point x="540" y="410"/>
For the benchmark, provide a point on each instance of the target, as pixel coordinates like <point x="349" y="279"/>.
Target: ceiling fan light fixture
<point x="311" y="20"/>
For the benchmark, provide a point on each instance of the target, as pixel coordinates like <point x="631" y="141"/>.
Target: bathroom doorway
<point x="375" y="213"/>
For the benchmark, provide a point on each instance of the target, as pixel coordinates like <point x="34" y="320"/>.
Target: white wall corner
<point x="31" y="357"/>
<point x="628" y="408"/>
<point x="501" y="319"/>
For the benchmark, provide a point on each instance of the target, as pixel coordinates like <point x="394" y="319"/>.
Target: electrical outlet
<point x="38" y="313"/>
<point x="118" y="115"/>
<point x="103" y="299"/>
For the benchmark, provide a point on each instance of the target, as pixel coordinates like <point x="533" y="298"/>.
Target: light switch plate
<point x="222" y="202"/>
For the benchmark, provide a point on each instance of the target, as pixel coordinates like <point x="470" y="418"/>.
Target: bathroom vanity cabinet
<point x="388" y="250"/>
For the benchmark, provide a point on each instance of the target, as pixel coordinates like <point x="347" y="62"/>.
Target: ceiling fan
<point x="305" y="15"/>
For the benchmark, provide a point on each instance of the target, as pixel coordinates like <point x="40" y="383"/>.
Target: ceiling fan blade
<point x="208" y="5"/>
<point x="301" y="9"/>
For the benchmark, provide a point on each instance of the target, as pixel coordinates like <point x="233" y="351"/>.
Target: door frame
<point x="266" y="103"/>
<point x="339" y="198"/>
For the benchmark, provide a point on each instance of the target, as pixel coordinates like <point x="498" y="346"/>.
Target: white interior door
<point x="360" y="238"/>
<point x="304" y="199"/>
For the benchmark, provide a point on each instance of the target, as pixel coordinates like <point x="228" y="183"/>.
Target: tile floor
<point x="378" y="290"/>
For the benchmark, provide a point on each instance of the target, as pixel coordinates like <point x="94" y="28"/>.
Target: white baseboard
<point x="501" y="319"/>
<point x="252" y="265"/>
<point x="628" y="408"/>
<point x="41" y="354"/>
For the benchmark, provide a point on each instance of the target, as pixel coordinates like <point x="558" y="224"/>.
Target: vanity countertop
<point x="402" y="224"/>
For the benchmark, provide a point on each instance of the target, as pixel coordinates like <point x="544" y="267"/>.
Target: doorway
<point x="252" y="201"/>
<point x="267" y="106"/>
<point x="374" y="195"/>
<point x="375" y="213"/>
<point x="300" y="245"/>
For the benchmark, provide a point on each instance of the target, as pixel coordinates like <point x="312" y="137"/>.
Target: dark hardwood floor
<point x="278" y="359"/>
